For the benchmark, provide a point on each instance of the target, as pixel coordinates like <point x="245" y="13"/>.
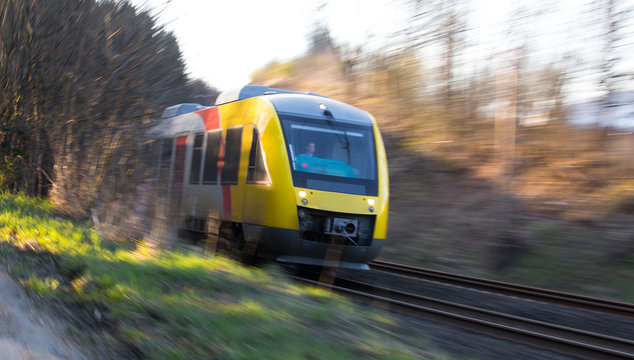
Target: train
<point x="275" y="174"/>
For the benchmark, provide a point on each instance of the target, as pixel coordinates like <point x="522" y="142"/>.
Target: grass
<point x="178" y="305"/>
<point x="565" y="257"/>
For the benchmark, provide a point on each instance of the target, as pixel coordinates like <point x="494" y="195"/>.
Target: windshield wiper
<point x="347" y="147"/>
<point x="346" y="141"/>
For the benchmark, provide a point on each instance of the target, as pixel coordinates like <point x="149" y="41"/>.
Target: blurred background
<point x="508" y="126"/>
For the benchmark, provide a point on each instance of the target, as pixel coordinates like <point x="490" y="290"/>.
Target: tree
<point x="80" y="80"/>
<point x="319" y="39"/>
<point x="613" y="75"/>
<point x="443" y="24"/>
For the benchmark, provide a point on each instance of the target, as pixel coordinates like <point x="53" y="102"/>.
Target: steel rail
<point x="516" y="290"/>
<point x="583" y="344"/>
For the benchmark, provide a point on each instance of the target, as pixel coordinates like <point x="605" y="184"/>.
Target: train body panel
<point x="251" y="199"/>
<point x="344" y="203"/>
<point x="241" y="169"/>
<point x="384" y="184"/>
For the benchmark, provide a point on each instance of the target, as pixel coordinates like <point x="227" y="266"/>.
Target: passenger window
<point x="257" y="173"/>
<point x="233" y="143"/>
<point x="194" y="174"/>
<point x="210" y="172"/>
<point x="165" y="160"/>
<point x="178" y="169"/>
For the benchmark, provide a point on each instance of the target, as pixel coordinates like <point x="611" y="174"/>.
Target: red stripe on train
<point x="211" y="117"/>
<point x="226" y="200"/>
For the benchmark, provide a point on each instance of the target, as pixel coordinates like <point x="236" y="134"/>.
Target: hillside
<point x="560" y="216"/>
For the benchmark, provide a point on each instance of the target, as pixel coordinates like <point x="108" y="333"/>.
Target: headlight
<point x="371" y="202"/>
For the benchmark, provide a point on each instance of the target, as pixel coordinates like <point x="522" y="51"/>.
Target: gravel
<point x="27" y="332"/>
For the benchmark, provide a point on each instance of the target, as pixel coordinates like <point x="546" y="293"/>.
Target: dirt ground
<point x="28" y="332"/>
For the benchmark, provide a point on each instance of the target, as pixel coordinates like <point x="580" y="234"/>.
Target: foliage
<point x="319" y="39"/>
<point x="80" y="80"/>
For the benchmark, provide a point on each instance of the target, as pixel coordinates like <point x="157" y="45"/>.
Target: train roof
<point x="315" y="107"/>
<point x="181" y="109"/>
<point x="249" y="91"/>
<point x="182" y="117"/>
<point x="299" y="103"/>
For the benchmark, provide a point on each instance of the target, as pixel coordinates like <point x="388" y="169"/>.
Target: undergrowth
<point x="570" y="258"/>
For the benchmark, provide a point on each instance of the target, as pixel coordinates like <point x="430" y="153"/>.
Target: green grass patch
<point x="177" y="305"/>
<point x="569" y="258"/>
<point x="623" y="280"/>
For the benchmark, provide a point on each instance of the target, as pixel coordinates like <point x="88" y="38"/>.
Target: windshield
<point x="331" y="151"/>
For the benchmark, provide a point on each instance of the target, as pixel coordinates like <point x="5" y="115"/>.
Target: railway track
<point x="560" y="339"/>
<point x="515" y="290"/>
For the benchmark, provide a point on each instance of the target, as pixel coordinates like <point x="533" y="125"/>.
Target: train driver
<point x="310" y="150"/>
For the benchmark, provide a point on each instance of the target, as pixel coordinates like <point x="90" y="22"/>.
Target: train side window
<point x="210" y="172"/>
<point x="257" y="173"/>
<point x="233" y="144"/>
<point x="194" y="173"/>
<point x="165" y="159"/>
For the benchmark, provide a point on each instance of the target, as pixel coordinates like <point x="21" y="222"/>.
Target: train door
<point x="253" y="205"/>
<point x="192" y="192"/>
<point x="210" y="202"/>
<point x="256" y="176"/>
<point x="229" y="174"/>
<point x="229" y="169"/>
<point x="246" y="205"/>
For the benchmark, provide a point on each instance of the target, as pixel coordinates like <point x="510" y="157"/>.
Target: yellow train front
<point x="294" y="177"/>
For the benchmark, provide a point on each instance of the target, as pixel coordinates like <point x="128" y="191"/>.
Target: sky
<point x="223" y="42"/>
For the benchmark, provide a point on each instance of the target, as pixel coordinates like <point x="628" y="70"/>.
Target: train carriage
<point x="294" y="177"/>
